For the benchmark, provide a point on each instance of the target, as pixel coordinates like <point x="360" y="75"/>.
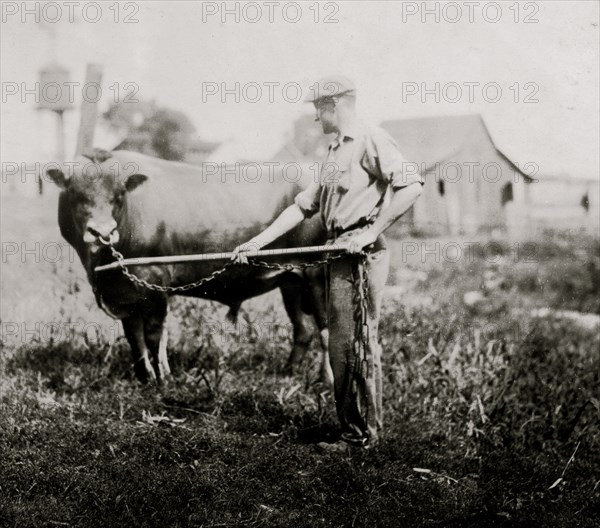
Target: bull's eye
<point x="117" y="201"/>
<point x="80" y="199"/>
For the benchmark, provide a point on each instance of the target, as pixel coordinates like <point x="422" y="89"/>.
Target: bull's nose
<point x="100" y="231"/>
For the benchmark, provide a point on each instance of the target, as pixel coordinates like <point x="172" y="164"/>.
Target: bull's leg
<point x="164" y="368"/>
<point x="155" y="334"/>
<point x="326" y="372"/>
<point x="317" y="289"/>
<point x="133" y="327"/>
<point x="291" y="291"/>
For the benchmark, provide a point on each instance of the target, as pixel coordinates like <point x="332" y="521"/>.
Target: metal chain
<point x="165" y="289"/>
<point x="361" y="326"/>
<point x="172" y="289"/>
<point x="292" y="267"/>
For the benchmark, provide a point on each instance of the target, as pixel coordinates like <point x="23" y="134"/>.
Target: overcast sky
<point x="177" y="52"/>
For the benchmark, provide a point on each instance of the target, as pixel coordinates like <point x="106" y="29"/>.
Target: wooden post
<point x="89" y="107"/>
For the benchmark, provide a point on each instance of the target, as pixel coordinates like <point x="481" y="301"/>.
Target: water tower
<point x="54" y="96"/>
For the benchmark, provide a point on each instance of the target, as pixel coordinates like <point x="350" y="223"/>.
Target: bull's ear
<point x="58" y="177"/>
<point x="134" y="180"/>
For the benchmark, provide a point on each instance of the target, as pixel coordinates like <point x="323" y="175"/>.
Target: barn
<point x="470" y="185"/>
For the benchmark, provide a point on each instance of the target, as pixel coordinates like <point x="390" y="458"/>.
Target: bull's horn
<point x="96" y="155"/>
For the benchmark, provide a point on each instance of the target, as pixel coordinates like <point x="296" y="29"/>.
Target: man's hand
<point x="287" y="220"/>
<point x="239" y="257"/>
<point x="362" y="240"/>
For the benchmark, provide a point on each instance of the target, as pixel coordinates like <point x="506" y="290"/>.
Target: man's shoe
<point x="355" y="440"/>
<point x="346" y="443"/>
<point x="336" y="447"/>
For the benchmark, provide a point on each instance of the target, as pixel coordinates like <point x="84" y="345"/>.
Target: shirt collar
<point x="351" y="132"/>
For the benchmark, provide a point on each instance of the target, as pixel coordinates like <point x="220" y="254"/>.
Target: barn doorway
<point x="506" y="195"/>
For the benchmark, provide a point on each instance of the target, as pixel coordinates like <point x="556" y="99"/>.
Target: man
<point x="363" y="188"/>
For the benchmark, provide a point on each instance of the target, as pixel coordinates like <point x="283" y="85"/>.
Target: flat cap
<point x="329" y="87"/>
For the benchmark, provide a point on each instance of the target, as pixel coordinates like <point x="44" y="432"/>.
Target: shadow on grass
<point x="67" y="367"/>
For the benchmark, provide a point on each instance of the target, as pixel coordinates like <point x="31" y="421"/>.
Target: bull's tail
<point x="234" y="310"/>
<point x="313" y="299"/>
<point x="307" y="301"/>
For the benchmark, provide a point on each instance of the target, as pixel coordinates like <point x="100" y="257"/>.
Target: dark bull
<point x="146" y="207"/>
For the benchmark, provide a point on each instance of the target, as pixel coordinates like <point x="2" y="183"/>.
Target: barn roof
<point x="432" y="140"/>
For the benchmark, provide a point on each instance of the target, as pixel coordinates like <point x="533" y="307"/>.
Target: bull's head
<point x="96" y="195"/>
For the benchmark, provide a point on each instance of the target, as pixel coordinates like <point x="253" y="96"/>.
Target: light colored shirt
<point x="362" y="164"/>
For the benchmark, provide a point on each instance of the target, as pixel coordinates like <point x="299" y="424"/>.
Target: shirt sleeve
<point x="309" y="200"/>
<point x="384" y="159"/>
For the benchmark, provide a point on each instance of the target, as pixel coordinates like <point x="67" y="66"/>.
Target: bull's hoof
<point x="141" y="375"/>
<point x="145" y="374"/>
<point x="326" y="375"/>
<point x="165" y="381"/>
<point x="289" y="369"/>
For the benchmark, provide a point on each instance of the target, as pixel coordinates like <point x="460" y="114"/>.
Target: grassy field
<point x="492" y="413"/>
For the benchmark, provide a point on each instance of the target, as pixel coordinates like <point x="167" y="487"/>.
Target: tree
<point x="150" y="129"/>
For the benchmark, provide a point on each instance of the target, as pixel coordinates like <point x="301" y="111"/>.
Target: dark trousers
<point x="357" y="391"/>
